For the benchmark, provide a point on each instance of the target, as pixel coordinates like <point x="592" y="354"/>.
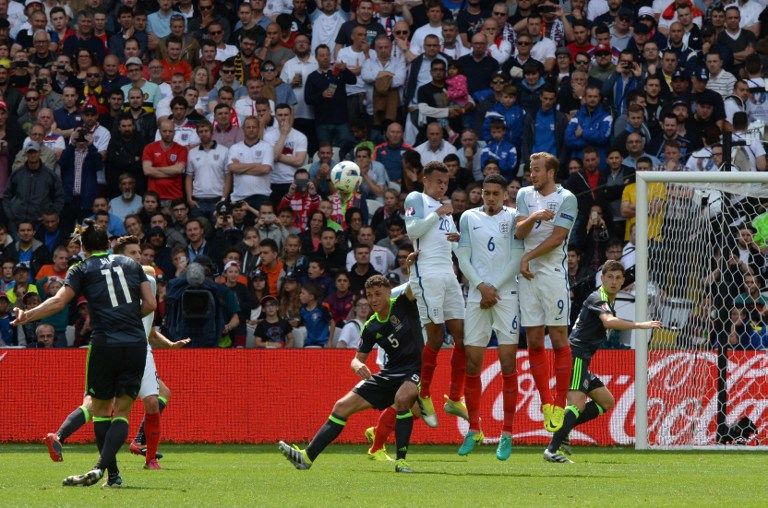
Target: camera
<point x="301" y="185"/>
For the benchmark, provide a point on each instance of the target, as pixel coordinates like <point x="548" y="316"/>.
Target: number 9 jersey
<point x="112" y="286"/>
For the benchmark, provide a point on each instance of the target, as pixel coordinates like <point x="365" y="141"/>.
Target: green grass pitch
<point x="259" y="476"/>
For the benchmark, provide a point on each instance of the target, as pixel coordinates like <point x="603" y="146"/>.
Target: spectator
<point x="748" y="331"/>
<point x="635" y="149"/>
<point x="50" y="231"/>
<point x="144" y="122"/>
<point x="302" y="199"/>
<point x="83" y="38"/>
<point x="317" y="273"/>
<point x="206" y="173"/>
<point x="150" y="91"/>
<point x="31" y="251"/>
<point x="720" y="80"/>
<point x="225" y="132"/>
<point x="272" y="331"/>
<point x="6" y="331"/>
<point x="315" y="317"/>
<point x="80" y="164"/>
<point x="350" y="333"/>
<point x="326" y="92"/>
<point x="538" y="128"/>
<point x="375" y="177"/>
<point x="390" y="152"/>
<point x="128" y="202"/>
<point x="435" y="148"/>
<point x="381" y="258"/>
<point x="290" y="152"/>
<point x="361" y="269"/>
<point x="32" y="189"/>
<point x="271" y="265"/>
<point x="330" y="252"/>
<point x="292" y="257"/>
<point x="395" y="226"/>
<point x="249" y="164"/>
<point x="591" y="125"/>
<point x="498" y="148"/>
<point x="56" y="269"/>
<point x="478" y="66"/>
<point x="327" y="22"/>
<point x="384" y="77"/>
<point x="244" y="300"/>
<point x="581" y="280"/>
<point x="164" y="162"/>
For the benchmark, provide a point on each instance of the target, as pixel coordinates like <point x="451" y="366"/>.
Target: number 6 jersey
<point x="112" y="286"/>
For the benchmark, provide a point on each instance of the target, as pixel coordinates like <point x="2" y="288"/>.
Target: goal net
<point x="702" y="270"/>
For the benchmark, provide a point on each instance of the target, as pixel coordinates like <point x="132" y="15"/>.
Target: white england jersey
<point x="565" y="207"/>
<point x="428" y="231"/>
<point x="493" y="243"/>
<point x="149" y="319"/>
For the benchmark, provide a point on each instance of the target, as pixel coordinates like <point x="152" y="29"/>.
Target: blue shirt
<point x="544" y="132"/>
<point x="160" y="24"/>
<point x="317" y="322"/>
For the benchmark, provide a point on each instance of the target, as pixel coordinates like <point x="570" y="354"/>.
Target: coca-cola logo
<point x="682" y="399"/>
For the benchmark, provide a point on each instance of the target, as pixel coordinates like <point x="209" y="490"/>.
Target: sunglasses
<point x="217" y="32"/>
<point x="268" y="69"/>
<point x="498" y="82"/>
<point x="401" y="32"/>
<point x="523" y="43"/>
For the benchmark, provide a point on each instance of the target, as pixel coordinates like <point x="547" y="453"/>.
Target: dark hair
<point x="433" y="166"/>
<point x="93" y="237"/>
<point x="123" y="241"/>
<point x="377" y="281"/>
<point x="495" y="179"/>
<point x="613" y="266"/>
<point x="269" y="243"/>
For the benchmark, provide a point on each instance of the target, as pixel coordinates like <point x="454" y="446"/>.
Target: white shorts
<point x="438" y="297"/>
<point x="545" y="300"/>
<point x="150" y="382"/>
<point x="503" y="318"/>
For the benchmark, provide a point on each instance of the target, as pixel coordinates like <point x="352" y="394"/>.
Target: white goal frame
<point x="643" y="178"/>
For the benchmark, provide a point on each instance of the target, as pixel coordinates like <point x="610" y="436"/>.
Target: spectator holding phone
<point x="302" y="199"/>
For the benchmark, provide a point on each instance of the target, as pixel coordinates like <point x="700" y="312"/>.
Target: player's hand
<point x="543" y="214"/>
<point x="647" y="325"/>
<point x="524" y="270"/>
<point x="363" y="372"/>
<point x="445" y="209"/>
<point x="489" y="295"/>
<point x="411" y="259"/>
<point x="180" y="343"/>
<point x="21" y="317"/>
<point x="452" y="237"/>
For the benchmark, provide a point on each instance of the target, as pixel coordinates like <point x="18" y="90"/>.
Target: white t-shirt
<point x="565" y="207"/>
<point x="290" y="69"/>
<point x="350" y="334"/>
<point x="428" y="231"/>
<point x="207" y="169"/>
<point x="354" y="59"/>
<point x="382" y="259"/>
<point x="185" y="134"/>
<point x="244" y="185"/>
<point x="493" y="243"/>
<point x="417" y="41"/>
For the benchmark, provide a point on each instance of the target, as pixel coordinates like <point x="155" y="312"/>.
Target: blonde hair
<point x="550" y="161"/>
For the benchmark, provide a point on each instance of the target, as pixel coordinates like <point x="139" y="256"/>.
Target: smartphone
<point x="332" y="88"/>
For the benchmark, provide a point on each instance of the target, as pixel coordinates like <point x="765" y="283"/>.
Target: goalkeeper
<point x="396" y="328"/>
<point x="596" y="316"/>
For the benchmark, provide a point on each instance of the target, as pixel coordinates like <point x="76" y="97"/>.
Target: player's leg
<point x="76" y="419"/>
<point x="149" y="393"/>
<point x="478" y="334"/>
<point x="454" y="314"/>
<point x="138" y="444"/>
<point x="434" y="342"/>
<point x="533" y="318"/>
<point x="562" y="354"/>
<point x="378" y="435"/>
<point x="345" y="407"/>
<point x="404" y="399"/>
<point x="508" y="360"/>
<point x="577" y="400"/>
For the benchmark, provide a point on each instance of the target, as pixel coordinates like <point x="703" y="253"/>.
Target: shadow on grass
<point x="544" y="474"/>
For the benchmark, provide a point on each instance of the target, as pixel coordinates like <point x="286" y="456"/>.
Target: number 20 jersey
<point x="433" y="246"/>
<point x="112" y="286"/>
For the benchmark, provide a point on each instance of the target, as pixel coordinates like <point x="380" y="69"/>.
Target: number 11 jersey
<point x="112" y="286"/>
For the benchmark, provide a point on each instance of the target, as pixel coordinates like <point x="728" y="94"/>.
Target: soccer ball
<point x="346" y="176"/>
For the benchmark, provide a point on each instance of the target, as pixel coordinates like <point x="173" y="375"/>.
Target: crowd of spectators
<point x="208" y="130"/>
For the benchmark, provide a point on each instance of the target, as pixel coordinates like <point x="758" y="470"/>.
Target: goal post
<point x="672" y="276"/>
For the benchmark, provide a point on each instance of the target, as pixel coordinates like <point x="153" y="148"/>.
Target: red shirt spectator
<point x="164" y="163"/>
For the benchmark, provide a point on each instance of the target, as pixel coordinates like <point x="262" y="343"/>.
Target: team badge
<point x="215" y="156"/>
<point x="552" y="205"/>
<point x="505" y="228"/>
<point x="394" y="321"/>
<point x="173" y="157"/>
<point x="184" y="136"/>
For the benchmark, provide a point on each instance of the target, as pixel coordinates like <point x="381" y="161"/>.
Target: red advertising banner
<point x="262" y="396"/>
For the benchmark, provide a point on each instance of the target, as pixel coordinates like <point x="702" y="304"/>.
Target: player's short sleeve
<point x="464" y="239"/>
<point x="566" y="214"/>
<point x="521" y="203"/>
<point x="414" y="206"/>
<point x="74" y="278"/>
<point x="597" y="305"/>
<point x="367" y="340"/>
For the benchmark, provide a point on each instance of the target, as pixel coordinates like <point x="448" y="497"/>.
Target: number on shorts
<point x="560" y="306"/>
<point x="538" y="223"/>
<point x="514" y="323"/>
<point x="111" y="286"/>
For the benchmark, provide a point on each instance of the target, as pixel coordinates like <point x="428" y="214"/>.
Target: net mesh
<point x="707" y="273"/>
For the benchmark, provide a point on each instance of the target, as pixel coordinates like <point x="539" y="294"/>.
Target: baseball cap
<point x="268" y="298"/>
<point x="645" y="11"/>
<point x="230" y="264"/>
<point x="223" y="208"/>
<point x="258" y="274"/>
<point x="602" y="48"/>
<point x="30" y="2"/>
<point x="32" y="146"/>
<point x="680" y="102"/>
<point x="90" y="109"/>
<point x="20" y="267"/>
<point x="701" y="74"/>
<point x="681" y="74"/>
<point x="562" y="51"/>
<point x="30" y="293"/>
<point x="290" y="274"/>
<point x="642" y="28"/>
<point x="134" y="60"/>
<point x="625" y="12"/>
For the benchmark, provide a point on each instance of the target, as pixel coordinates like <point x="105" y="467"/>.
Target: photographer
<point x="268" y="226"/>
<point x="80" y="162"/>
<point x="225" y="234"/>
<point x="302" y="199"/>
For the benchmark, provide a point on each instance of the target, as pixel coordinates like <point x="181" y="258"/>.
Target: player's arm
<point x="612" y="322"/>
<point x="148" y="302"/>
<point x="416" y="224"/>
<point x="358" y="365"/>
<point x="51" y="306"/>
<point x="159" y="341"/>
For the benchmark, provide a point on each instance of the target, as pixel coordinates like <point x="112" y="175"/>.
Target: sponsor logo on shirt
<point x="566" y="216"/>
